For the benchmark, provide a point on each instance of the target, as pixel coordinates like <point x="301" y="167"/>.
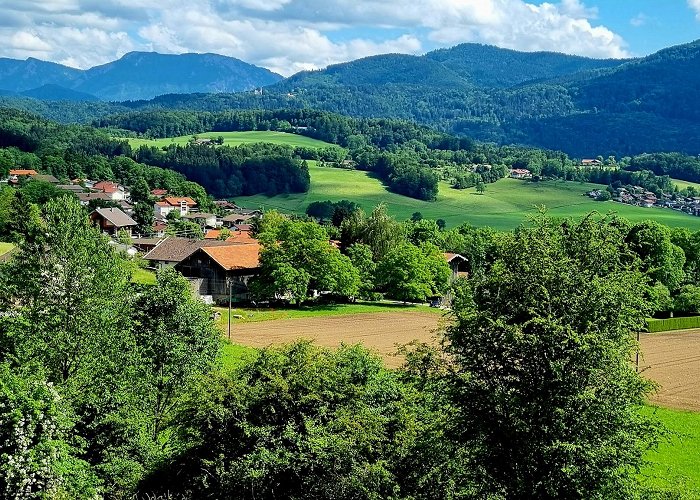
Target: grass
<point x="504" y="205"/>
<point x="675" y="464"/>
<point x="5" y="247"/>
<point x="143" y="276"/>
<point x="233" y="355"/>
<point x="250" y="315"/>
<point x="684" y="184"/>
<point x="666" y="325"/>
<point x="237" y="138"/>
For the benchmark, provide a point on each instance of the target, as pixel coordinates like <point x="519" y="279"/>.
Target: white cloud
<point x="695" y="5"/>
<point x="290" y="35"/>
<point x="639" y="20"/>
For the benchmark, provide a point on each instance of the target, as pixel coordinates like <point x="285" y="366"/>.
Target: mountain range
<point x="583" y="106"/>
<point x="136" y="75"/>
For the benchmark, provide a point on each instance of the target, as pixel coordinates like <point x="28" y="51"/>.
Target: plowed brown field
<point x="381" y="332"/>
<point x="672" y="360"/>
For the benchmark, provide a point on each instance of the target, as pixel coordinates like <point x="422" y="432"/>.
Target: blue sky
<point x="287" y="36"/>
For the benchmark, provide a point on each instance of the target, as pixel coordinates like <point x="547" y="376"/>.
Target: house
<point x="236" y="237"/>
<point x="46" y="178"/>
<point x="226" y="205"/>
<point x="234" y="219"/>
<point x="183" y="204"/>
<point x="587" y="162"/>
<point x="86" y="198"/>
<point x="203" y="219"/>
<point x="112" y="220"/>
<point x="159" y="193"/>
<point x="458" y="265"/>
<point x="20" y="173"/>
<point x="222" y="271"/>
<point x="114" y="190"/>
<point x="172" y="250"/>
<point x="159" y="228"/>
<point x="145" y="244"/>
<point x="71" y="188"/>
<point x="520" y="173"/>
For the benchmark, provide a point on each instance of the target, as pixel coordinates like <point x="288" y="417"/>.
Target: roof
<point x="238" y="217"/>
<point x="244" y="227"/>
<point x="71" y="187"/>
<point x="237" y="237"/>
<point x="449" y="257"/>
<point x="175" y="201"/>
<point x="159" y="192"/>
<point x="116" y="217"/>
<point x="46" y="178"/>
<point x="177" y="249"/>
<point x="93" y="196"/>
<point x="198" y="215"/>
<point x="106" y="186"/>
<point x="21" y="171"/>
<point x="235" y="256"/>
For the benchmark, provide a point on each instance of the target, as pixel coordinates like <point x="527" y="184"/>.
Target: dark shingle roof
<point x="177" y="249"/>
<point x="116" y="217"/>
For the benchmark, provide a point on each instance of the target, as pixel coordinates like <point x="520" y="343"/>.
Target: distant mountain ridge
<point x="584" y="107"/>
<point x="136" y="75"/>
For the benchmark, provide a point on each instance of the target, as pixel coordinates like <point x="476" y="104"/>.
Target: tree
<point x="177" y="342"/>
<point x="380" y="231"/>
<point x="661" y="259"/>
<point x="300" y="422"/>
<point x="361" y="257"/>
<point x="224" y="234"/>
<point x="687" y="300"/>
<point x="416" y="216"/>
<point x="36" y="459"/>
<point x="413" y="274"/>
<point x="144" y="216"/>
<point x="141" y="193"/>
<point x="441" y="224"/>
<point x="547" y="400"/>
<point x="480" y="187"/>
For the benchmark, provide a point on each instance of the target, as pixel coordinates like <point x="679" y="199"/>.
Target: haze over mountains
<point x="578" y="105"/>
<point x="137" y="75"/>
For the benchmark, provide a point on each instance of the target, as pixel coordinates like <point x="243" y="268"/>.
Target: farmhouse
<point x="115" y="191"/>
<point x="159" y="193"/>
<point x="203" y="219"/>
<point x="458" y="265"/>
<point x="112" y="220"/>
<point x="235" y="219"/>
<point x="587" y="162"/>
<point x="20" y="173"/>
<point x="219" y="271"/>
<point x="183" y="204"/>
<point x="171" y="251"/>
<point x="520" y="173"/>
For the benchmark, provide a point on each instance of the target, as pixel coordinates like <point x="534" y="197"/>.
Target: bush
<point x="664" y="325"/>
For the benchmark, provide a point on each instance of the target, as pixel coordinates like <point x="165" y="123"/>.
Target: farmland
<point x="237" y="138"/>
<point x="504" y="204"/>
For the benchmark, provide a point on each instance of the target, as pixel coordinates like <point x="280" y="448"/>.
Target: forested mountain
<point x="488" y="66"/>
<point x="584" y="107"/>
<point x="137" y="75"/>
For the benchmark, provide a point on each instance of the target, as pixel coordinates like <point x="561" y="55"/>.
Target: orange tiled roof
<point x="235" y="256"/>
<point x="237" y="237"/>
<point x="175" y="201"/>
<point x="23" y="172"/>
<point x="159" y="192"/>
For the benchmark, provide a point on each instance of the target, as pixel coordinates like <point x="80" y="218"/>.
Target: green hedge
<point x="664" y="325"/>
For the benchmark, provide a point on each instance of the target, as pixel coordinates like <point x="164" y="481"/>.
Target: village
<point x="640" y="197"/>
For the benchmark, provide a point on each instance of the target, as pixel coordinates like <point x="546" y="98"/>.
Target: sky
<point x="287" y="36"/>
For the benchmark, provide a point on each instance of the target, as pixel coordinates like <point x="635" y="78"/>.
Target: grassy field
<point x="504" y="204"/>
<point x="143" y="276"/>
<point x="675" y="465"/>
<point x="684" y="184"/>
<point x="5" y="247"/>
<point x="250" y="315"/>
<point x="237" y="138"/>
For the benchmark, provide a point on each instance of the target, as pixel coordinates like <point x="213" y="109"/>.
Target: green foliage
<point x="687" y="300"/>
<point x="177" y="342"/>
<point x="297" y="258"/>
<point x="361" y="257"/>
<point x="662" y="260"/>
<point x="36" y="459"/>
<point x="299" y="422"/>
<point x="670" y="324"/>
<point x="413" y="274"/>
<point x="547" y="398"/>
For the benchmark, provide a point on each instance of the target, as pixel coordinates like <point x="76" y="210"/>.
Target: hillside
<point x="137" y="75"/>
<point x="584" y="107"/>
<point x="504" y="205"/>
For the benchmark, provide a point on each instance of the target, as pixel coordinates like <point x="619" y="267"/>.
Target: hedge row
<point x="663" y="325"/>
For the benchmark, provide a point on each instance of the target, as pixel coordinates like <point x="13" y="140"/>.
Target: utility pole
<point x="230" y="297"/>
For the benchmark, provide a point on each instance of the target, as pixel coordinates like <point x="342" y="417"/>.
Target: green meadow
<point x="504" y="204"/>
<point x="237" y="138"/>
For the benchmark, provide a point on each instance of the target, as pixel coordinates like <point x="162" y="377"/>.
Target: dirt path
<point x="673" y="361"/>
<point x="381" y="332"/>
